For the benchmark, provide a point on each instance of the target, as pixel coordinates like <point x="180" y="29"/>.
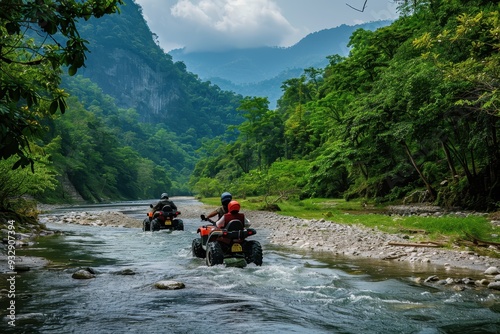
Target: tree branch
<point x="359" y="10"/>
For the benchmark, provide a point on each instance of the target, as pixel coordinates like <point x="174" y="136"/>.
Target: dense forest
<point x="73" y="131"/>
<point x="410" y="114"/>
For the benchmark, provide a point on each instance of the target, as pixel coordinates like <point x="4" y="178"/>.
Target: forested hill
<point x="127" y="64"/>
<point x="410" y="114"/>
<point x="134" y="120"/>
<point x="260" y="71"/>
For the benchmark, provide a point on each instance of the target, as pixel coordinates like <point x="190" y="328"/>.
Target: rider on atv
<point x="164" y="201"/>
<point x="233" y="213"/>
<point x="225" y="198"/>
<point x="163" y="215"/>
<point x="227" y="239"/>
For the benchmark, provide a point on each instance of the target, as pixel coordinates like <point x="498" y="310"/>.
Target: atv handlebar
<point x="203" y="217"/>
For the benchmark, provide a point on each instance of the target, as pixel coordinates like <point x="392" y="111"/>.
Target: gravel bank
<point x="312" y="235"/>
<point x="323" y="236"/>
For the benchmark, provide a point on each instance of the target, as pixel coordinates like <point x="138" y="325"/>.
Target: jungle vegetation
<point x="411" y="114"/>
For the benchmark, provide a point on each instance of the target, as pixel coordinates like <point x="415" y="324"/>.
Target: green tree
<point x="37" y="38"/>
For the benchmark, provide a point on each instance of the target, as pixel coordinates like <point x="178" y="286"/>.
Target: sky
<point x="207" y="25"/>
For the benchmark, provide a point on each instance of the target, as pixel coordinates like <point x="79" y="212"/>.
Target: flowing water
<point x="290" y="293"/>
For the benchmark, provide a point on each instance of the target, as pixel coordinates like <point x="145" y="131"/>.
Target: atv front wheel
<point x="180" y="226"/>
<point x="197" y="249"/>
<point x="253" y="252"/>
<point x="146" y="225"/>
<point x="155" y="225"/>
<point x="214" y="254"/>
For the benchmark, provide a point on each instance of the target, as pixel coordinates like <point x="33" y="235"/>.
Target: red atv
<point x="164" y="219"/>
<point x="215" y="244"/>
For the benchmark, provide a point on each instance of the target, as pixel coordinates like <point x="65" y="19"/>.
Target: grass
<point x="448" y="229"/>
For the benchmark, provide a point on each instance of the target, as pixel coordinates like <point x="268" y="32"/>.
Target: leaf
<point x="53" y="107"/>
<point x="62" y="106"/>
<point x="72" y="70"/>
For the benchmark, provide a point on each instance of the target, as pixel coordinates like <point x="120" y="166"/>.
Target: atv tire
<point x="253" y="252"/>
<point x="214" y="255"/>
<point x="197" y="249"/>
<point x="180" y="226"/>
<point x="146" y="225"/>
<point x="155" y="225"/>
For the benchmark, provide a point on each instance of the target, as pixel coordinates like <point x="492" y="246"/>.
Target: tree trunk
<point x="428" y="186"/>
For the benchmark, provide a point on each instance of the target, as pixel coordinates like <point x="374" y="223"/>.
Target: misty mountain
<point x="128" y="65"/>
<point x="260" y="71"/>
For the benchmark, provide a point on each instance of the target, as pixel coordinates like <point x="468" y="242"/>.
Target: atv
<point x="216" y="245"/>
<point x="165" y="219"/>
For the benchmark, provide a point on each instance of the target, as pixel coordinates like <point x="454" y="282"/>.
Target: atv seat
<point x="167" y="208"/>
<point x="235" y="225"/>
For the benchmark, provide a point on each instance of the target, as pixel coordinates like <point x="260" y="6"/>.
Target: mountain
<point x="128" y="65"/>
<point x="260" y="71"/>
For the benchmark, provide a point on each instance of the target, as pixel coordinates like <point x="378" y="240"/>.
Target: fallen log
<point x="478" y="242"/>
<point x="412" y="231"/>
<point x="429" y="244"/>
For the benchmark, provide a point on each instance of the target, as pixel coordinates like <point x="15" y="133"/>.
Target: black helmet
<point x="225" y="198"/>
<point x="164" y="196"/>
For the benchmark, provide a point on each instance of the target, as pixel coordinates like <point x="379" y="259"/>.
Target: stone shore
<point x="321" y="236"/>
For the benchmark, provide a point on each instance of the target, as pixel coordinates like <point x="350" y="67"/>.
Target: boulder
<point x="494" y="285"/>
<point x="492" y="271"/>
<point x="83" y="274"/>
<point x="169" y="285"/>
<point x="126" y="272"/>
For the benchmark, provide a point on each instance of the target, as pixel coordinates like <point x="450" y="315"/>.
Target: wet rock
<point x="497" y="278"/>
<point x="492" y="271"/>
<point x="169" y="285"/>
<point x="83" y="274"/>
<point x="30" y="317"/>
<point x="21" y="267"/>
<point x="126" y="272"/>
<point x="432" y="278"/>
<point x="235" y="262"/>
<point x="494" y="285"/>
<point x="482" y="282"/>
<point x="468" y="281"/>
<point x="450" y="280"/>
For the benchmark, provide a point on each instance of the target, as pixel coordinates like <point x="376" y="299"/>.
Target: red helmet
<point x="233" y="206"/>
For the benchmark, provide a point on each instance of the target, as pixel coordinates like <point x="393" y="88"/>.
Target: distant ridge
<point x="245" y="70"/>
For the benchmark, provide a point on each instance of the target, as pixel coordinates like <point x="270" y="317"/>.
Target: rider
<point x="225" y="198"/>
<point x="164" y="201"/>
<point x="234" y="213"/>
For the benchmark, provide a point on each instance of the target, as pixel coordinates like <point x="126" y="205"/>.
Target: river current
<point x="291" y="292"/>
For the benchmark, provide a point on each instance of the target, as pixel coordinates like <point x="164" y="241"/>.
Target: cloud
<point x="225" y="24"/>
<point x="218" y="24"/>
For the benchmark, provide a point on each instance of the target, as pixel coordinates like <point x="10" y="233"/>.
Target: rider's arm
<point x="220" y="223"/>
<point x="219" y="211"/>
<point x="211" y="214"/>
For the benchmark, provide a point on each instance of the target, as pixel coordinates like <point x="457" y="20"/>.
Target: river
<point x="290" y="293"/>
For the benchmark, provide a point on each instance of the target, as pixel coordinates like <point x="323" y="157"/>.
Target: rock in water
<point x="82" y="274"/>
<point x="169" y="285"/>
<point x="235" y="262"/>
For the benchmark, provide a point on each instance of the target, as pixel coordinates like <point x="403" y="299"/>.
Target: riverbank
<point x="313" y="235"/>
<point x="322" y="236"/>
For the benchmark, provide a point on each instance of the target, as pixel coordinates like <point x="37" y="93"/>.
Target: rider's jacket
<point x="164" y="202"/>
<point x="232" y="216"/>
